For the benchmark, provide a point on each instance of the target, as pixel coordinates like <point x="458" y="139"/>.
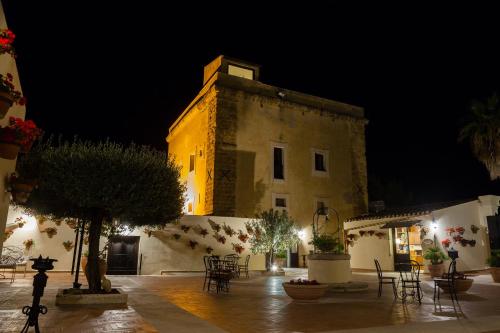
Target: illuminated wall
<point x="7" y="65"/>
<point x="233" y="125"/>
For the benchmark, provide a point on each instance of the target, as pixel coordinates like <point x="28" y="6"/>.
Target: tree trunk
<point x="93" y="261"/>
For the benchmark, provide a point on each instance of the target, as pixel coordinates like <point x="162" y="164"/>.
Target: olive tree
<point x="272" y="231"/>
<point x="102" y="182"/>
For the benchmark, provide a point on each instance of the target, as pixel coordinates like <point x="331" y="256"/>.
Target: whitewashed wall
<point x="474" y="212"/>
<point x="7" y="65"/>
<point x="160" y="252"/>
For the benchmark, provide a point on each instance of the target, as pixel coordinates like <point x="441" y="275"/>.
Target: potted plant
<point x="8" y="94"/>
<point x="436" y="257"/>
<point x="238" y="248"/>
<point x="242" y="236"/>
<point x="103" y="265"/>
<point x="462" y="283"/>
<point x="192" y="244"/>
<point x="18" y="135"/>
<point x="228" y="230"/>
<point x="50" y="231"/>
<point x="6" y="39"/>
<point x="68" y="245"/>
<point x="20" y="188"/>
<point x="304" y="289"/>
<point x="326" y="243"/>
<point x="28" y="244"/>
<point x="494" y="263"/>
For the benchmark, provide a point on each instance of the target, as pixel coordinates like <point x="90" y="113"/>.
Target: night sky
<point x="128" y="71"/>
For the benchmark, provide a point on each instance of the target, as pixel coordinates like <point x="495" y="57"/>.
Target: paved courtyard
<point x="176" y="303"/>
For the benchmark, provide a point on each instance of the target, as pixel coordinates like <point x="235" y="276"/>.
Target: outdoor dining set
<point x="219" y="271"/>
<point x="408" y="284"/>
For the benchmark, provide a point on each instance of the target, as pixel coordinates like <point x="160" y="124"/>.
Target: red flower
<point x="23" y="133"/>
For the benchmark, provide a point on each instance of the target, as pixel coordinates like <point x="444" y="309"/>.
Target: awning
<point x="399" y="224"/>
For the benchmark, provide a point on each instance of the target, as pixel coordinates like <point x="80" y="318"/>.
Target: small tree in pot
<point x="494" y="263"/>
<point x="436" y="257"/>
<point x="273" y="231"/>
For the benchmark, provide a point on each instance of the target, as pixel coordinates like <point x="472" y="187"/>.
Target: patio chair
<point x="410" y="280"/>
<point x="232" y="264"/>
<point x="449" y="280"/>
<point x="384" y="280"/>
<point x="207" y="272"/>
<point x="8" y="262"/>
<point x="244" y="267"/>
<point x="219" y="273"/>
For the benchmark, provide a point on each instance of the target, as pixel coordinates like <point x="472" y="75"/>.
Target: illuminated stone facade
<point x="225" y="140"/>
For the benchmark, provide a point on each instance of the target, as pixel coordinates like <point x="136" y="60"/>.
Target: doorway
<point x="122" y="255"/>
<point x="407" y="245"/>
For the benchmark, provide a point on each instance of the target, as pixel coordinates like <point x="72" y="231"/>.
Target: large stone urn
<point x="103" y="267"/>
<point x="495" y="273"/>
<point x="329" y="268"/>
<point x="461" y="285"/>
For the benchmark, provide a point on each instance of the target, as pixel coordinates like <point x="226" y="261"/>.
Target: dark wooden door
<point x="494" y="231"/>
<point x="122" y="255"/>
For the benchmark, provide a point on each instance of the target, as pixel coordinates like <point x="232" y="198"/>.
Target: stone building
<point x="245" y="146"/>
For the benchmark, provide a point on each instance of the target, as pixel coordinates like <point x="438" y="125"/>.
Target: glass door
<point x="401" y="247"/>
<point x="415" y="244"/>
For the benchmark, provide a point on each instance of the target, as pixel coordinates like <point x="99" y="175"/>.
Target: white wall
<point x="368" y="248"/>
<point x="470" y="258"/>
<point x="7" y="65"/>
<point x="160" y="251"/>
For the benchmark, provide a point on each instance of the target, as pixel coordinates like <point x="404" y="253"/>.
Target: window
<point x="191" y="162"/>
<point x="321" y="205"/>
<point x="243" y="72"/>
<point x="320" y="166"/>
<point x="278" y="163"/>
<point x="280" y="201"/>
<point x="319" y="162"/>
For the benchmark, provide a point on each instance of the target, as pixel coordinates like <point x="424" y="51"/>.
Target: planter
<point x="461" y="285"/>
<point x="495" y="274"/>
<point x="436" y="270"/>
<point x="305" y="292"/>
<point x="103" y="267"/>
<point x="6" y="102"/>
<point x="8" y="150"/>
<point x="21" y="191"/>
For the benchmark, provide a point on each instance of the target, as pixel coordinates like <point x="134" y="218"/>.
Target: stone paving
<point x="177" y="303"/>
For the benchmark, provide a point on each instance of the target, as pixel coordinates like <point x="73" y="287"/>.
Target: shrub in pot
<point x="436" y="257"/>
<point x="494" y="263"/>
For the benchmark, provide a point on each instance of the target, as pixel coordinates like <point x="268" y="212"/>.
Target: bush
<point x="435" y="255"/>
<point x="327" y="243"/>
<point x="494" y="259"/>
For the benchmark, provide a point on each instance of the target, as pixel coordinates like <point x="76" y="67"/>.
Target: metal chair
<point x="410" y="279"/>
<point x="384" y="280"/>
<point x="219" y="273"/>
<point x="8" y="262"/>
<point x="244" y="267"/>
<point x="232" y="263"/>
<point x="207" y="272"/>
<point x="449" y="279"/>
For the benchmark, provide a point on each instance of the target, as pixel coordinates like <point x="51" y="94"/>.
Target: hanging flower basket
<point x="68" y="245"/>
<point x="20" y="188"/>
<point x="6" y="39"/>
<point x="28" y="244"/>
<point x="8" y="94"/>
<point x="9" y="150"/>
<point x="50" y="232"/>
<point x="19" y="135"/>
<point x="238" y="248"/>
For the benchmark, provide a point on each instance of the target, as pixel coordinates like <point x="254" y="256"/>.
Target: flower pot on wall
<point x="9" y="150"/>
<point x="6" y="102"/>
<point x="495" y="274"/>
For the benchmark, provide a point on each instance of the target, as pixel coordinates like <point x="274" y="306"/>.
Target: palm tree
<point x="482" y="130"/>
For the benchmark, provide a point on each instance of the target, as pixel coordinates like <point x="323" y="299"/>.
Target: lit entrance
<point x="407" y="244"/>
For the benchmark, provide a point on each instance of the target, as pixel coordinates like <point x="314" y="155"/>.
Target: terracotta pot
<point x="461" y="285"/>
<point x="8" y="150"/>
<point x="495" y="273"/>
<point x="305" y="292"/>
<point x="103" y="267"/>
<point x="436" y="270"/>
<point x="6" y="102"/>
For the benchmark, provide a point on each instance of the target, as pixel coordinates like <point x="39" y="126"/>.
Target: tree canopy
<point x="482" y="130"/>
<point x="273" y="231"/>
<point x="135" y="184"/>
